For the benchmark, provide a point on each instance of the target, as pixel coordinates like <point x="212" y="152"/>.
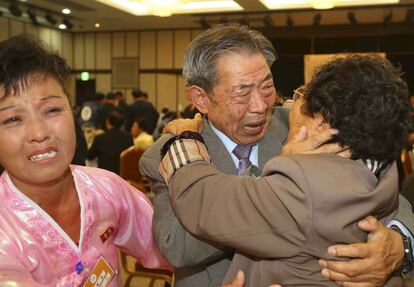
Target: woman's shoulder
<point x="94" y="174"/>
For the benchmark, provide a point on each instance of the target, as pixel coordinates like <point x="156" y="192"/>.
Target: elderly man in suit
<point x="227" y="69"/>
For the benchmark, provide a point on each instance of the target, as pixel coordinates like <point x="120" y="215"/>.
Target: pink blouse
<point x="35" y="251"/>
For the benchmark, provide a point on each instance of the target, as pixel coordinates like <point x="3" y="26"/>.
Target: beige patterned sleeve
<point x="181" y="153"/>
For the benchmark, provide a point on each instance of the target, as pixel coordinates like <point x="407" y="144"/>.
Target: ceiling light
<point x="168" y="7"/>
<point x="97" y="25"/>
<point x="62" y="26"/>
<point x="323" y="4"/>
<point x="162" y="8"/>
<point x="209" y="6"/>
<point x="66" y="11"/>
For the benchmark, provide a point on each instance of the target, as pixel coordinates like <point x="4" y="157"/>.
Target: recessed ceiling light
<point x="66" y="11"/>
<point x="299" y="4"/>
<point x="62" y="26"/>
<point x="97" y="25"/>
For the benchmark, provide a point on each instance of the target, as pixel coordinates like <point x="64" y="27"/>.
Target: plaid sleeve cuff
<point x="181" y="153"/>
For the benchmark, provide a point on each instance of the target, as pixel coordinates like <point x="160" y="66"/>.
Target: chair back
<point x="129" y="161"/>
<point x="129" y="169"/>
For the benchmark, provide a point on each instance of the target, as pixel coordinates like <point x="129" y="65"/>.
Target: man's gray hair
<point x="202" y="54"/>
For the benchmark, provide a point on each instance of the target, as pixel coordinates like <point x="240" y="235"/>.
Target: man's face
<point x="240" y="105"/>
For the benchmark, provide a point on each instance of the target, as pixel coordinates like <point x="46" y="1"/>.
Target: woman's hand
<point x="178" y="126"/>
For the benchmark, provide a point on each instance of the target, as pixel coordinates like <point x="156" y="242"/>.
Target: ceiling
<point x="85" y="13"/>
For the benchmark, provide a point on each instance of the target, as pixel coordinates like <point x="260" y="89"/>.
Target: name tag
<point x="101" y="275"/>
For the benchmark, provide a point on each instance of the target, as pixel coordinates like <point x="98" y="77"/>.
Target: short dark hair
<point x="364" y="97"/>
<point x="22" y="57"/>
<point x="116" y="119"/>
<point x="110" y="96"/>
<point x="99" y="96"/>
<point x="137" y="93"/>
<point x="142" y="122"/>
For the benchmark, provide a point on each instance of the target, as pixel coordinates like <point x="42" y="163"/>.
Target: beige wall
<point x="159" y="54"/>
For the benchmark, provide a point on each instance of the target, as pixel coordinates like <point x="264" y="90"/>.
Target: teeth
<point x="43" y="156"/>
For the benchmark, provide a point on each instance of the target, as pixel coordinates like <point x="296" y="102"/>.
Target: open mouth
<point x="254" y="128"/>
<point x="42" y="156"/>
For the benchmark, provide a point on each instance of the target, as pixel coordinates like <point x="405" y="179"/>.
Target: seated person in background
<point x="107" y="147"/>
<point x="58" y="221"/>
<point x="282" y="223"/>
<point x="142" y="140"/>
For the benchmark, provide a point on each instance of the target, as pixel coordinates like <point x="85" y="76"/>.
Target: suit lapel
<point x="218" y="152"/>
<point x="272" y="143"/>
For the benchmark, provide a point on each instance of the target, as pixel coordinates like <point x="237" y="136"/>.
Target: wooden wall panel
<point x="147" y="50"/>
<point x="103" y="83"/>
<point x="181" y="40"/>
<point x="118" y="45"/>
<point x="16" y="28"/>
<point x="103" y="54"/>
<point x="131" y="45"/>
<point x="90" y="50"/>
<point x="71" y="89"/>
<point x="165" y="49"/>
<point x="4" y="28"/>
<point x="182" y="92"/>
<point x="56" y="40"/>
<point x="167" y="91"/>
<point x="44" y="34"/>
<point x="79" y="52"/>
<point x="67" y="48"/>
<point x="31" y="30"/>
<point x="147" y="83"/>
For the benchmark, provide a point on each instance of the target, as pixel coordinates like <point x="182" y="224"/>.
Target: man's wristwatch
<point x="407" y="264"/>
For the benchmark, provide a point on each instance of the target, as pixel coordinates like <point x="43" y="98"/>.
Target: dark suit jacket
<point x="286" y="219"/>
<point x="199" y="262"/>
<point x="107" y="147"/>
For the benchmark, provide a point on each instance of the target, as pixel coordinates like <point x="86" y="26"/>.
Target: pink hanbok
<point x="35" y="251"/>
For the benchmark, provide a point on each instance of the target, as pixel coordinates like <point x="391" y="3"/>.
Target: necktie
<point x="243" y="154"/>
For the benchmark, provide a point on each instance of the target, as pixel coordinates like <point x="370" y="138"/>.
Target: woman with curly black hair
<point x="282" y="222"/>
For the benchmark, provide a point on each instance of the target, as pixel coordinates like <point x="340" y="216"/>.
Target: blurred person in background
<point x="142" y="139"/>
<point x="107" y="147"/>
<point x="142" y="108"/>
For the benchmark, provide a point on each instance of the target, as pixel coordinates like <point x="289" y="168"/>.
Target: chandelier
<point x="323" y="4"/>
<point x="162" y="8"/>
